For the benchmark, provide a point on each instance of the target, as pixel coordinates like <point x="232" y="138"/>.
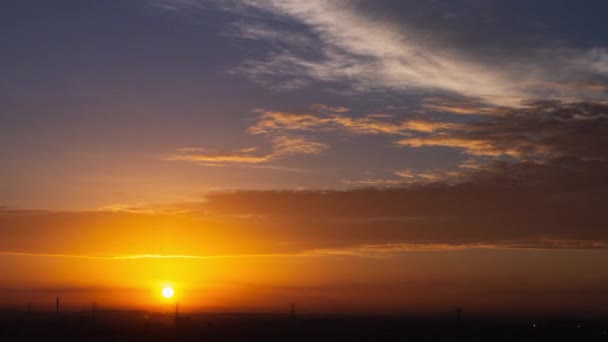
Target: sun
<point x="168" y="292"/>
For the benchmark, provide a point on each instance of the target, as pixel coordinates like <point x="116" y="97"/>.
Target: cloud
<point x="497" y="211"/>
<point x="549" y="197"/>
<point x="476" y="147"/>
<point x="596" y="60"/>
<point x="290" y="145"/>
<point x="390" y="249"/>
<point x="429" y="176"/>
<point x="463" y="107"/>
<point x="533" y="133"/>
<point x="284" y="130"/>
<point x="370" y="55"/>
<point x="528" y="205"/>
<point x="319" y="107"/>
<point x="410" y="177"/>
<point x="371" y="182"/>
<point x="536" y="131"/>
<point x="222" y="157"/>
<point x="157" y="256"/>
<point x="497" y="102"/>
<point x="369" y="47"/>
<point x="267" y="33"/>
<point x="271" y="122"/>
<point x="537" y="178"/>
<point x="282" y="146"/>
<point x="541" y="130"/>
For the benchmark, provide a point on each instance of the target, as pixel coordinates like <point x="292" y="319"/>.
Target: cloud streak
<point x="351" y="46"/>
<point x="371" y="55"/>
<point x="272" y="122"/>
<point x="150" y="256"/>
<point x="282" y="146"/>
<point x="539" y="131"/>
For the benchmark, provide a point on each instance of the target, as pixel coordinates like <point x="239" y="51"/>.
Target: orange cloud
<point x="281" y="146"/>
<point x="291" y="145"/>
<point x="537" y="131"/>
<point x="375" y="182"/>
<point x="473" y="147"/>
<point x="463" y="107"/>
<point x="271" y="122"/>
<point x="319" y="107"/>
<point x="429" y="176"/>
<point x="223" y="157"/>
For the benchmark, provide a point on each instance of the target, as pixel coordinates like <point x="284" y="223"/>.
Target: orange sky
<point x="123" y="260"/>
<point x="417" y="282"/>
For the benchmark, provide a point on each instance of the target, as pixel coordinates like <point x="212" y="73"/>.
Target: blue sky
<point x="122" y="102"/>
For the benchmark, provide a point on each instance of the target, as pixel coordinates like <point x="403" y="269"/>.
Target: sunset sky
<point x="350" y="156"/>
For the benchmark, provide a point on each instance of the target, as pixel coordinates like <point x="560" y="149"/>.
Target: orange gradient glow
<point x="226" y="266"/>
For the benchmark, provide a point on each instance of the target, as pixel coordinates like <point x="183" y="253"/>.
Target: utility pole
<point x="292" y="311"/>
<point x="459" y="311"/>
<point x="57" y="305"/>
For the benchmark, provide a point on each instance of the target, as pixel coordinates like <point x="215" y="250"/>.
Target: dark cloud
<point x="556" y="204"/>
<point x="549" y="192"/>
<point x="496" y="209"/>
<point x="542" y="130"/>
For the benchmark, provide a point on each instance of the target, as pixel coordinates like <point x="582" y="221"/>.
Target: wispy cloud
<point x="407" y="177"/>
<point x="359" y="251"/>
<point x="429" y="176"/>
<point x="342" y="45"/>
<point x="282" y="146"/>
<point x="153" y="256"/>
<point x="286" y="130"/>
<point x="462" y="106"/>
<point x="203" y="155"/>
<point x="339" y="43"/>
<point x="538" y="131"/>
<point x="271" y="122"/>
<point x="370" y="55"/>
<point x="374" y="182"/>
<point x="391" y="249"/>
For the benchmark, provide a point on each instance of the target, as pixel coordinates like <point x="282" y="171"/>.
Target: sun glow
<point x="168" y="292"/>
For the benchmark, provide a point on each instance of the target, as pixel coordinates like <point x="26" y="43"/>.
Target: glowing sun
<point x="168" y="292"/>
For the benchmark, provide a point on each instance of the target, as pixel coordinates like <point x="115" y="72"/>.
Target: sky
<point x="348" y="155"/>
